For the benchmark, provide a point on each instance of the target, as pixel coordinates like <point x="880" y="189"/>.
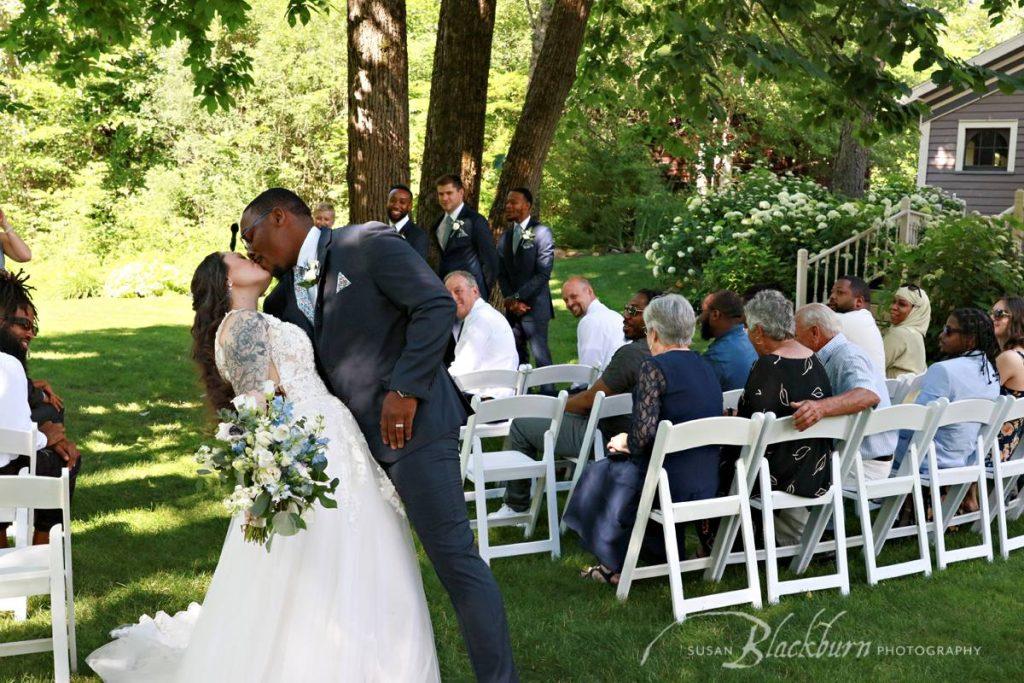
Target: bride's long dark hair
<point x="211" y="301"/>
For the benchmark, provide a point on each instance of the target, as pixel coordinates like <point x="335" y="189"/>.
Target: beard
<point x="11" y="345"/>
<point x="396" y="216"/>
<point x="705" y="330"/>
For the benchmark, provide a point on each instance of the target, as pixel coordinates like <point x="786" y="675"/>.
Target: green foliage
<point x="954" y="278"/>
<point x="750" y="230"/>
<point x="143" y="278"/>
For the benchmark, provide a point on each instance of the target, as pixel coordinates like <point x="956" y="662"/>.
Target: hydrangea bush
<point x="143" y="278"/>
<point x="750" y="230"/>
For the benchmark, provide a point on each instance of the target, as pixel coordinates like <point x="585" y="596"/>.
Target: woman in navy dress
<point x="675" y="384"/>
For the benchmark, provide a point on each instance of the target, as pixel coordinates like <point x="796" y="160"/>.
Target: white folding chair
<point x="491" y="379"/>
<point x="911" y="386"/>
<point x="481" y="467"/>
<point x="18" y="443"/>
<point x="712" y="431"/>
<point x="43" y="569"/>
<point x="1007" y="493"/>
<point x="568" y="373"/>
<point x="895" y="388"/>
<point x="776" y="431"/>
<point x="923" y="420"/>
<point x="731" y="399"/>
<point x="593" y="440"/>
<point x="989" y="414"/>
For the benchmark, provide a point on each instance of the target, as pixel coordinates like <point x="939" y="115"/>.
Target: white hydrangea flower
<point x="671" y="270"/>
<point x="764" y="205"/>
<point x="710" y="239"/>
<point x="656" y="245"/>
<point x="689" y="250"/>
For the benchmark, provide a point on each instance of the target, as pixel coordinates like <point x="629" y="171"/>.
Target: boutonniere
<point x="458" y="229"/>
<point x="310" y="274"/>
<point x="527" y="237"/>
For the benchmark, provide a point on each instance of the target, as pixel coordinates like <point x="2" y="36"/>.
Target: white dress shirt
<point x="401" y="224"/>
<point x="14" y="411"/>
<point x="485" y="342"/>
<point x="599" y="335"/>
<point x="307" y="253"/>
<point x="860" y="328"/>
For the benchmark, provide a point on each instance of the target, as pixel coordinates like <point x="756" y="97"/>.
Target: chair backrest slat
<point x="721" y="431"/>
<point x="781" y="430"/>
<point x="616" y="406"/>
<point x="29" y="491"/>
<point x="17" y="442"/>
<point x="488" y="379"/>
<point x="980" y="410"/>
<point x="1016" y="410"/>
<point x="513" y="407"/>
<point x="561" y="374"/>
<point x="731" y="399"/>
<point x="903" y="416"/>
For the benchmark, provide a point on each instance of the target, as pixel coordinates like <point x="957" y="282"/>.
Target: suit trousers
<point x="531" y="338"/>
<point x="429" y="482"/>
<point x="526" y="435"/>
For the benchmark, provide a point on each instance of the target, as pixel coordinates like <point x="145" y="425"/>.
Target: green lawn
<point x="147" y="536"/>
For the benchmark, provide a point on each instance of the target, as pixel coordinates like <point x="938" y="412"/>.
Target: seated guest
<point x="41" y="405"/>
<point x="323" y="216"/>
<point x="851" y="297"/>
<point x="620" y="377"/>
<point x="968" y="341"/>
<point x="910" y="315"/>
<point x="11" y="245"/>
<point x="730" y="353"/>
<point x="675" y="384"/>
<point x="483" y="338"/>
<point x="785" y="373"/>
<point x="856" y="385"/>
<point x="599" y="333"/>
<point x="1008" y="322"/>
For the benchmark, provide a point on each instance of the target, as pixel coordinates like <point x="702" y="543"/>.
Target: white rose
<point x="263" y="457"/>
<point x="268" y="475"/>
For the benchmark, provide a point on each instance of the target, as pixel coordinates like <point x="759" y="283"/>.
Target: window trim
<point x="961" y="134"/>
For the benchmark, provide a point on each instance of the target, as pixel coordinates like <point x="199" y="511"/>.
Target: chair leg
<point x="938" y="523"/>
<point x="840" y="527"/>
<point x="986" y="529"/>
<point x="535" y="502"/>
<point x="1000" y="505"/>
<point x="482" y="531"/>
<point x="864" y="513"/>
<point x="551" y="489"/>
<point x="728" y="527"/>
<point x="58" y="611"/>
<point x="771" y="567"/>
<point x="885" y="520"/>
<point x="675" y="576"/>
<point x="750" y="550"/>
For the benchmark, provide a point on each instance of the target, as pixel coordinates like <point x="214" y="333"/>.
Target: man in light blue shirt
<point x="857" y="384"/>
<point x="730" y="354"/>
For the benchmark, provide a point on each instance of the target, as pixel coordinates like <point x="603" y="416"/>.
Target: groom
<point x="380" y="319"/>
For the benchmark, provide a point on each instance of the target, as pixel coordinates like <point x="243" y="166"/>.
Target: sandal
<point x="600" y="574"/>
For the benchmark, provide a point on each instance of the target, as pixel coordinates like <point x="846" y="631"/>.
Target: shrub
<point x="750" y="230"/>
<point x="80" y="283"/>
<point x="142" y="279"/>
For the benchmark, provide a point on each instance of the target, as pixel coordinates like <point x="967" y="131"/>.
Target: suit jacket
<point x="382" y="322"/>
<point x="524" y="275"/>
<point x="416" y="238"/>
<point x="472" y="251"/>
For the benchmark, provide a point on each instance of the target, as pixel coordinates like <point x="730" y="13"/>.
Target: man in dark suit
<point x="399" y="206"/>
<point x="527" y="253"/>
<point x="379" y="328"/>
<point x="463" y="237"/>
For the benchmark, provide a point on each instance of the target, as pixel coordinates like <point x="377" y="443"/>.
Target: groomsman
<point x="399" y="206"/>
<point x="463" y="237"/>
<point x="527" y="253"/>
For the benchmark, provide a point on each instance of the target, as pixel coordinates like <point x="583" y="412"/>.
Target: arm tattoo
<point x="247" y="352"/>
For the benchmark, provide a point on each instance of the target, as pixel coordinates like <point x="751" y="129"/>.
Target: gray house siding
<point x="988" y="192"/>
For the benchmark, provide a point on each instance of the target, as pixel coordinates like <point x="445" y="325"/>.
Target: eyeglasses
<point x="1000" y="313"/>
<point x="947" y="330"/>
<point x="247" y="233"/>
<point x="23" y="323"/>
<point x="630" y="310"/>
<point x="912" y="288"/>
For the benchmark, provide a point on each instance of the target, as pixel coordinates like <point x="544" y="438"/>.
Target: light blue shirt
<point x="849" y="368"/>
<point x="957" y="379"/>
<point x="731" y="356"/>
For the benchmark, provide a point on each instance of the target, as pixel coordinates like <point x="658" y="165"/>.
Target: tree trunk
<point x="539" y="18"/>
<point x="545" y="100"/>
<point x="378" y="105"/>
<point x="458" y="103"/>
<point x="849" y="173"/>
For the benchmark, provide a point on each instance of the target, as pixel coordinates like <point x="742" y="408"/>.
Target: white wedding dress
<point x="340" y="601"/>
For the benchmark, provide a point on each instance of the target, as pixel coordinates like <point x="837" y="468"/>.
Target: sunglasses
<point x="247" y="233"/>
<point x="912" y="288"/>
<point x="23" y="323"/>
<point x="1000" y="313"/>
<point x="630" y="310"/>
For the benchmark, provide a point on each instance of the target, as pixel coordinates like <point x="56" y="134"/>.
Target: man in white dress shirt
<point x="483" y="337"/>
<point x="599" y="333"/>
<point x="851" y="297"/>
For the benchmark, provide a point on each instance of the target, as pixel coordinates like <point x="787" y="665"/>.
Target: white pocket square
<point x="343" y="282"/>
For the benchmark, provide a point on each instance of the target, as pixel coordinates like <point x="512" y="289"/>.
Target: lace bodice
<point x="292" y="356"/>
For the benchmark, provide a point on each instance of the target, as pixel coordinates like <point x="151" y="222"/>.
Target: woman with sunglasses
<point x="968" y="343"/>
<point x="1008" y="321"/>
<point x="909" y="316"/>
<point x="11" y="244"/>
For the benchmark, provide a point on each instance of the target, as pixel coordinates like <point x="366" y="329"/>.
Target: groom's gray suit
<point x="382" y="323"/>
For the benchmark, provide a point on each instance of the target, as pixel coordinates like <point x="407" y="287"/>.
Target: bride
<point x="340" y="601"/>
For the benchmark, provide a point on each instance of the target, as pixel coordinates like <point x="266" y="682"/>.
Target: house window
<point x="986" y="146"/>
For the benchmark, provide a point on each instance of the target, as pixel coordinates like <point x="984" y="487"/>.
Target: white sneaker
<point x="504" y="513"/>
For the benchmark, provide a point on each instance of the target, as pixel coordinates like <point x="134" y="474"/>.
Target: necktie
<point x="302" y="297"/>
<point x="517" y="238"/>
<point x="446" y="230"/>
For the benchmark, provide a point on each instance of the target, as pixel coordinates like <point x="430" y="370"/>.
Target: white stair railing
<point x="865" y="254"/>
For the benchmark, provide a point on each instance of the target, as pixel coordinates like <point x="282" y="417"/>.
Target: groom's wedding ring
<point x="399" y="424"/>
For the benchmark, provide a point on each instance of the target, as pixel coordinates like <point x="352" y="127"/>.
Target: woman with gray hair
<point x="675" y="384"/>
<point x="785" y="373"/>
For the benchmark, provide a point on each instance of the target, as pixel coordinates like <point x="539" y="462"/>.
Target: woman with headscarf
<point x="910" y="314"/>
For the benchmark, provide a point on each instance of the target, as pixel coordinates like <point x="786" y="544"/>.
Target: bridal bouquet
<point x="277" y="465"/>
